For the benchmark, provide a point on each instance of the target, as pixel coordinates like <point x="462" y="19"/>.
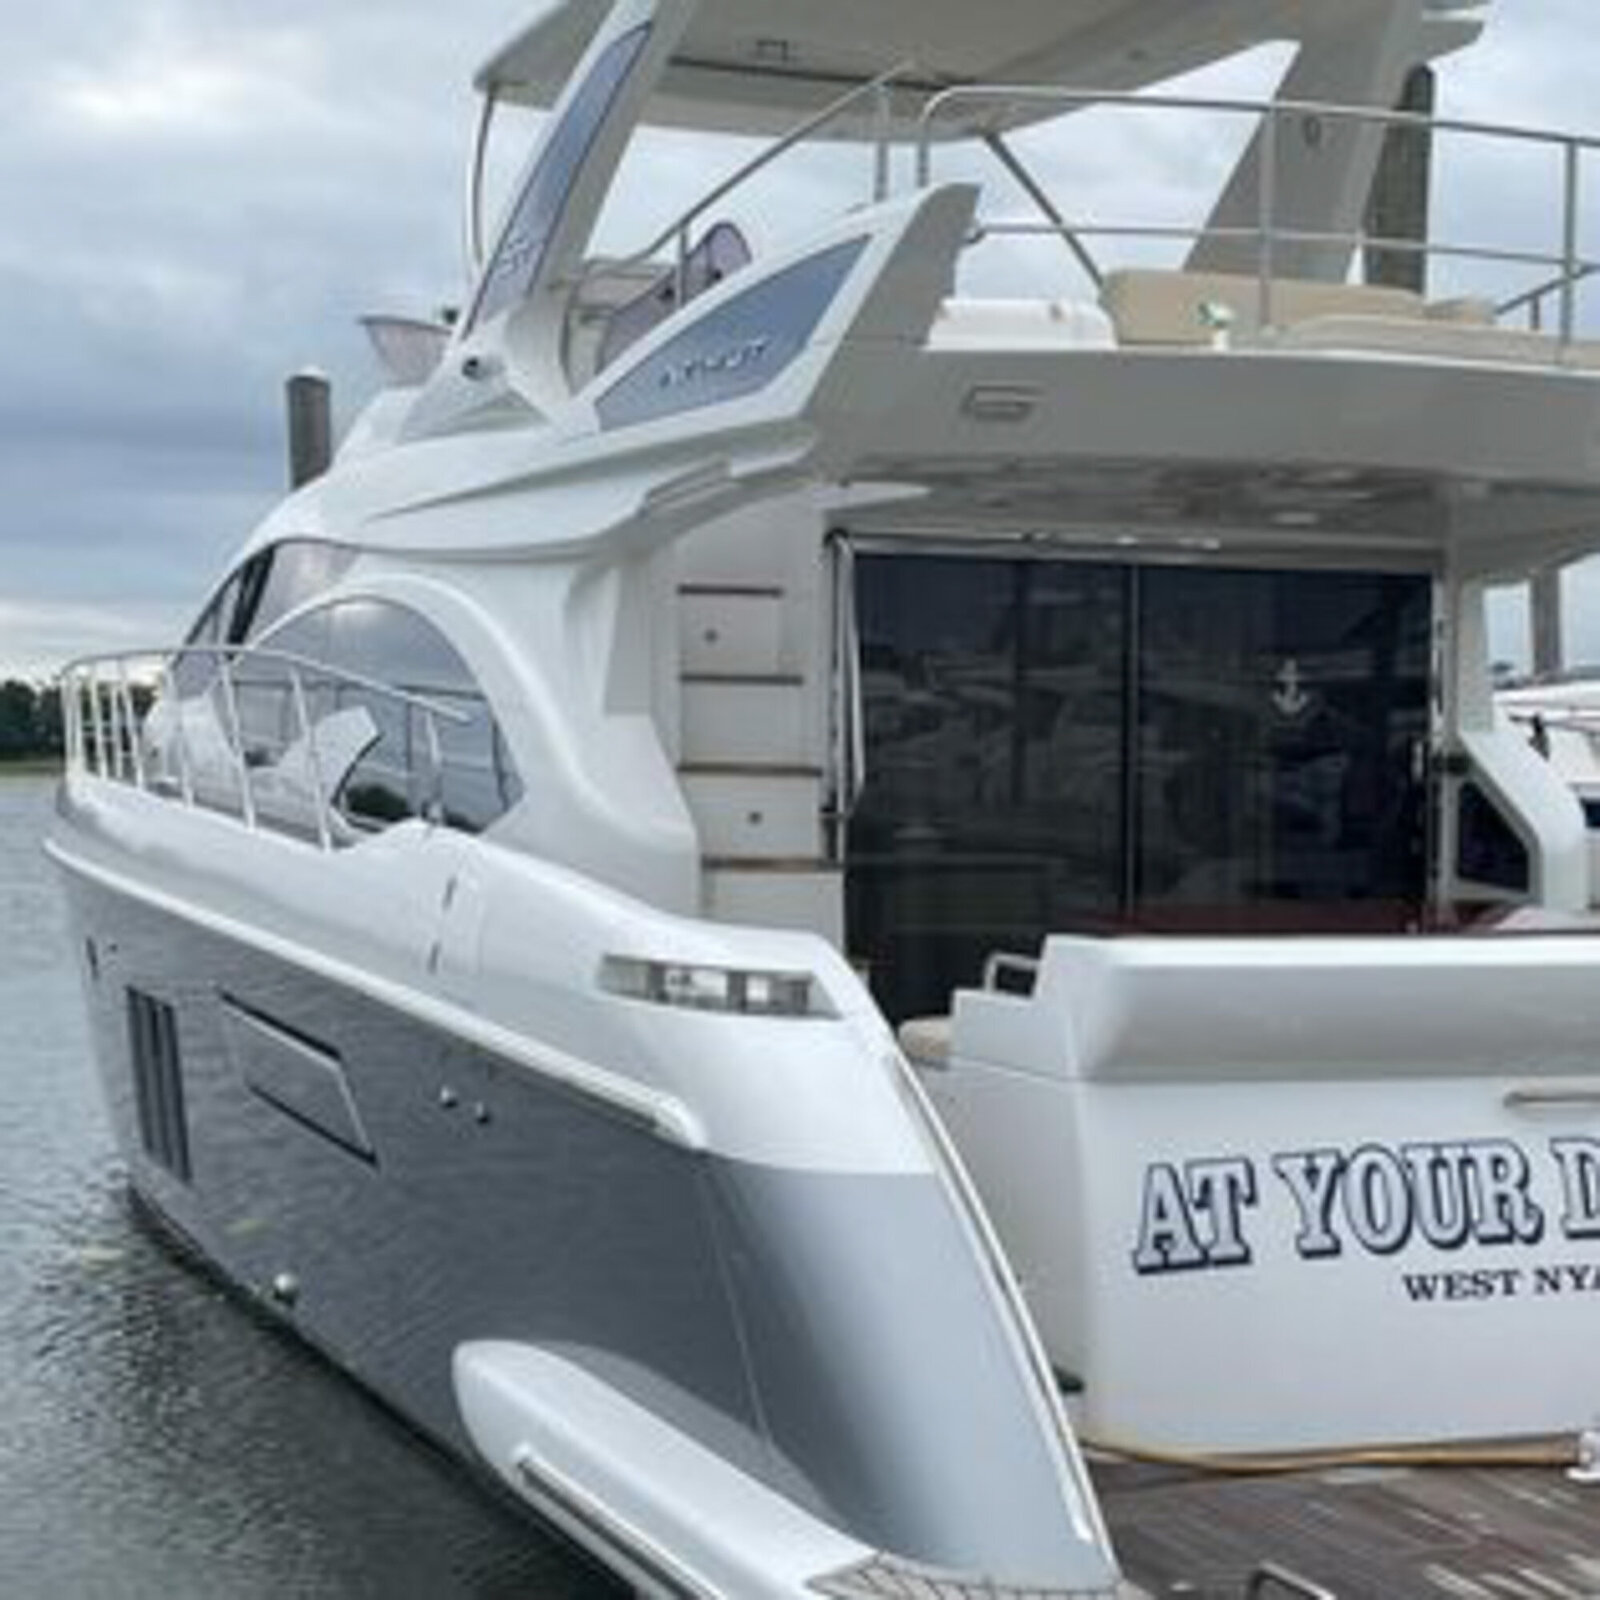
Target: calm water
<point x="155" y="1439"/>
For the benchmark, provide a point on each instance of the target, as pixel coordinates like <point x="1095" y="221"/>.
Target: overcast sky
<point x="202" y="195"/>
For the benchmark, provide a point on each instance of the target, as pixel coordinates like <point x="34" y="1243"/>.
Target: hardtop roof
<point x="753" y="66"/>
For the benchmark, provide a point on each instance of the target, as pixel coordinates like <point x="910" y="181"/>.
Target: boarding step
<point x="748" y="718"/>
<point x="806" y="894"/>
<point x="731" y="627"/>
<point x="755" y="810"/>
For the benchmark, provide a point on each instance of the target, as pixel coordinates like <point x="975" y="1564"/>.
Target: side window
<point x="194" y="671"/>
<point x="453" y="766"/>
<point x="1489" y="850"/>
<point x="298" y="570"/>
<point x="267" y="586"/>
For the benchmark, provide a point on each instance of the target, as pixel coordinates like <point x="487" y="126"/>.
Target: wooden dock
<point x="1360" y="1533"/>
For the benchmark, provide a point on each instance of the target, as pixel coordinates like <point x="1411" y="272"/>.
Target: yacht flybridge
<point x="710" y="654"/>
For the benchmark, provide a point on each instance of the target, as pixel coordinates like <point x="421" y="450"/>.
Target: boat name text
<point x="1373" y="1200"/>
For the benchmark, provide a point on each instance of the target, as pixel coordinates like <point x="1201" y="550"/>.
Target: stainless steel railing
<point x="678" y="234"/>
<point x="1565" y="265"/>
<point x="877" y="108"/>
<point x="128" y="719"/>
<point x="1534" y="300"/>
<point x="1270" y="1578"/>
<point x="846" y="774"/>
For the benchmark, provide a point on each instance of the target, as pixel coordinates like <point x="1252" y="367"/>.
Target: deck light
<point x="740" y="991"/>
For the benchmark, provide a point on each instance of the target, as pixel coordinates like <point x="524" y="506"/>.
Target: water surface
<point x="159" y="1440"/>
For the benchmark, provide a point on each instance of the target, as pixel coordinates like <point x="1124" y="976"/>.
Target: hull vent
<point x="158" y="1082"/>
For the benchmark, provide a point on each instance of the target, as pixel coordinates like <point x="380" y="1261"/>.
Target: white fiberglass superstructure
<point x="701" y="658"/>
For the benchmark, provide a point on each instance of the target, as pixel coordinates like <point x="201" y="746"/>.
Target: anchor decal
<point x="1291" y="699"/>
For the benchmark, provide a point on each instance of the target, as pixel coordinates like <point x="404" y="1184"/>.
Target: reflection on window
<point x="452" y="767"/>
<point x="293" y="572"/>
<point x="993" y="699"/>
<point x="268" y="585"/>
<point x="193" y="671"/>
<point x="1058" y="746"/>
<point x="1277" y="717"/>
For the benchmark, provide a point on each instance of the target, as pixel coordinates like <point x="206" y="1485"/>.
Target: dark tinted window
<point x="1058" y="747"/>
<point x="539" y="207"/>
<point x="993" y="803"/>
<point x="1278" y="713"/>
<point x="453" y="766"/>
<point x="1488" y="848"/>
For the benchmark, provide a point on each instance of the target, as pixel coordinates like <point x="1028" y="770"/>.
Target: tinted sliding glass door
<point x="1058" y="747"/>
<point x="1280" y="715"/>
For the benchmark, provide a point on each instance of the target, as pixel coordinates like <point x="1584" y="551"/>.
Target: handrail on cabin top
<point x="677" y="231"/>
<point x="1571" y="267"/>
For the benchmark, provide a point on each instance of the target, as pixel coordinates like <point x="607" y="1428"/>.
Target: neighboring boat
<point x="1560" y="718"/>
<point x="466" y="924"/>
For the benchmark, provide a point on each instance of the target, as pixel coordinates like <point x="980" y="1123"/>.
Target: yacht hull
<point x="406" y="1200"/>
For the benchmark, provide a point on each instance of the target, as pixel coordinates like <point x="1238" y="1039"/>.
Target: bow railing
<point x="237" y="729"/>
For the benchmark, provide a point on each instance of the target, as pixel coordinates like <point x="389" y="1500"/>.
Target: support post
<point x="1544" y="600"/>
<point x="1399" y="208"/>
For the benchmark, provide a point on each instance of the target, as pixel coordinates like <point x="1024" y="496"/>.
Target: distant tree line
<point x="30" y="721"/>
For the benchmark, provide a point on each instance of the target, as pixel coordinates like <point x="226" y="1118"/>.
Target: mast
<point x="1544" y="604"/>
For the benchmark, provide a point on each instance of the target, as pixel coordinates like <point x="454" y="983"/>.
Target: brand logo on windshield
<point x="716" y="364"/>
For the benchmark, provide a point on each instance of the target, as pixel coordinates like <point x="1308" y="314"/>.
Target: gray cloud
<point x="200" y="199"/>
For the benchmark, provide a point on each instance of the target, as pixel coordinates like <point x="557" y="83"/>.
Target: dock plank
<point x="1380" y="1533"/>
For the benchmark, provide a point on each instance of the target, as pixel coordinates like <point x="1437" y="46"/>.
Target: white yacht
<point x="707" y="656"/>
<point x="1559" y="715"/>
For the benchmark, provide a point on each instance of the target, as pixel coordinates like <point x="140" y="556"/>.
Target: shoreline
<point x="30" y="767"/>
